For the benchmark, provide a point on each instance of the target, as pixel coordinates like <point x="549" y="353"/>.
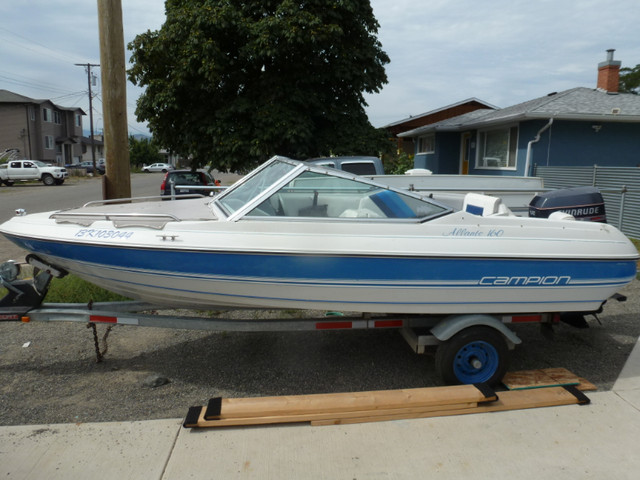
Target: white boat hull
<point x="420" y="268"/>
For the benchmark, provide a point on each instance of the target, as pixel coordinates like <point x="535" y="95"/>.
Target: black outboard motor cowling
<point x="584" y="203"/>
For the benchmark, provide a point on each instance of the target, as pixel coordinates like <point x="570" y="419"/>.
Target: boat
<point x="294" y="235"/>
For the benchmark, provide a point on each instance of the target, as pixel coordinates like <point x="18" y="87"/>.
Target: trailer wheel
<point x="8" y="183"/>
<point x="48" y="179"/>
<point x="474" y="355"/>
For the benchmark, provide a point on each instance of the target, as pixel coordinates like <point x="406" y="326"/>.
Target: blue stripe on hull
<point x="335" y="269"/>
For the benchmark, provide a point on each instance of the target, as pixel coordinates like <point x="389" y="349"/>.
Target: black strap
<point x="213" y="408"/>
<point x="191" y="420"/>
<point x="486" y="390"/>
<point x="580" y="396"/>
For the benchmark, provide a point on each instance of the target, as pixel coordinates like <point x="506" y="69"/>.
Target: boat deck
<point x="154" y="214"/>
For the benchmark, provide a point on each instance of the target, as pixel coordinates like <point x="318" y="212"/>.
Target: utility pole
<point x="117" y="181"/>
<point x="93" y="145"/>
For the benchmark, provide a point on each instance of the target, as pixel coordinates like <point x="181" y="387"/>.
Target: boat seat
<point x="392" y="205"/>
<point x="484" y="205"/>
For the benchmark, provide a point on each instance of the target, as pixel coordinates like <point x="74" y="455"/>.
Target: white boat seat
<point x="484" y="205"/>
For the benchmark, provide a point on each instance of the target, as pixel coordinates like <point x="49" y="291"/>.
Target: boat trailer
<point x="470" y="348"/>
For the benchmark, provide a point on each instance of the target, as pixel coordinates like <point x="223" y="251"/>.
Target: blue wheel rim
<point x="476" y="362"/>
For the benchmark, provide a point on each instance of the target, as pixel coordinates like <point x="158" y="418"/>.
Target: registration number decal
<point x="102" y="233"/>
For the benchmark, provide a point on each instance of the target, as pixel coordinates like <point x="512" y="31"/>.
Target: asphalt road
<point x="37" y="197"/>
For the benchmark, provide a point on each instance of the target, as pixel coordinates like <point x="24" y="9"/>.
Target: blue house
<point x="576" y="127"/>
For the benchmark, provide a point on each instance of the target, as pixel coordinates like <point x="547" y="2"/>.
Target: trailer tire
<point x="48" y="179"/>
<point x="9" y="183"/>
<point x="474" y="355"/>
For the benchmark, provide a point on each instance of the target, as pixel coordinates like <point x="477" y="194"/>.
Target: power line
<point x="49" y="52"/>
<point x="78" y="95"/>
<point x="131" y="127"/>
<point x="22" y="82"/>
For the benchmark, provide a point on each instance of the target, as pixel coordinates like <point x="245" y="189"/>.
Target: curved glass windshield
<point x="243" y="193"/>
<point x="313" y="194"/>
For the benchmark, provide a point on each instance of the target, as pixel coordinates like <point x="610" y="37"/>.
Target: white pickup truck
<point x="18" y="170"/>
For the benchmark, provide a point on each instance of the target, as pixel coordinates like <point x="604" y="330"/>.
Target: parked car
<point x="358" y="165"/>
<point x="187" y="177"/>
<point x="88" y="166"/>
<point x="157" y="167"/>
<point x="24" y="170"/>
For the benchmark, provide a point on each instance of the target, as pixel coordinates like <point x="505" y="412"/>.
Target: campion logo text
<point x="525" y="281"/>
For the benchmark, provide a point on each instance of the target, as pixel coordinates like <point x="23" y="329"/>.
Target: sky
<point x="502" y="52"/>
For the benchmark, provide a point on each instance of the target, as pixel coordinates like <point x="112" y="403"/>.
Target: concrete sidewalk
<point x="569" y="442"/>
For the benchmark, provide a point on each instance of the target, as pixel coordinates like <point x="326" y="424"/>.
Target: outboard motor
<point x="584" y="203"/>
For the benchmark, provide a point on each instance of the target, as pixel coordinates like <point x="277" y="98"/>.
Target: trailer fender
<point x="454" y="324"/>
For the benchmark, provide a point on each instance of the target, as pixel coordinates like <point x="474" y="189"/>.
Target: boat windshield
<point x="244" y="192"/>
<point x="321" y="195"/>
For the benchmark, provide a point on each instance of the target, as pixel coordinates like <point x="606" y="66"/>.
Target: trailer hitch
<point x="25" y="294"/>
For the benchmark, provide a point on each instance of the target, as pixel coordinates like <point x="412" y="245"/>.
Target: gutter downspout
<point x="527" y="164"/>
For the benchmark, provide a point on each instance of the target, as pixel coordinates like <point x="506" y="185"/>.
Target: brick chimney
<point x="609" y="73"/>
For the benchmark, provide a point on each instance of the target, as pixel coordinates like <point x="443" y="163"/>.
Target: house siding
<point x="447" y="147"/>
<point x="14" y="128"/>
<point x="576" y="143"/>
<point x="565" y="143"/>
<point x="19" y="131"/>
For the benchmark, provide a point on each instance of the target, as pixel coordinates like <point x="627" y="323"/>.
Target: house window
<point x="46" y="114"/>
<point x="48" y="142"/>
<point x="32" y="114"/>
<point x="427" y="144"/>
<point x="497" y="149"/>
<point x="78" y="120"/>
<point x="57" y="117"/>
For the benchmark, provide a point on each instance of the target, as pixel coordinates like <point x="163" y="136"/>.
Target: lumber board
<point x="586" y="385"/>
<point x="547" y="377"/>
<point x="410" y="412"/>
<point x="529" y="389"/>
<point x="291" y="405"/>
<point x="509" y="400"/>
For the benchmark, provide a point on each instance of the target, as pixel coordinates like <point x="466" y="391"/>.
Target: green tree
<point x="397" y="163"/>
<point x="233" y="83"/>
<point x="630" y="80"/>
<point x="143" y="151"/>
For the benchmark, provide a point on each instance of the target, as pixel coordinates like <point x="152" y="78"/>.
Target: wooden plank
<point x="547" y="377"/>
<point x="562" y="376"/>
<point x="586" y="385"/>
<point x="359" y="407"/>
<point x="231" y="408"/>
<point x="509" y="400"/>
<point x="410" y="412"/>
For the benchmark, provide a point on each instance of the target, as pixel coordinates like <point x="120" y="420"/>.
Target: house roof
<point x="89" y="141"/>
<point x="10" y="97"/>
<point x="450" y="124"/>
<point x="438" y="110"/>
<point x="581" y="104"/>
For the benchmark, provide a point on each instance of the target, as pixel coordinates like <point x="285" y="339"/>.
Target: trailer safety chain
<point x="100" y="354"/>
